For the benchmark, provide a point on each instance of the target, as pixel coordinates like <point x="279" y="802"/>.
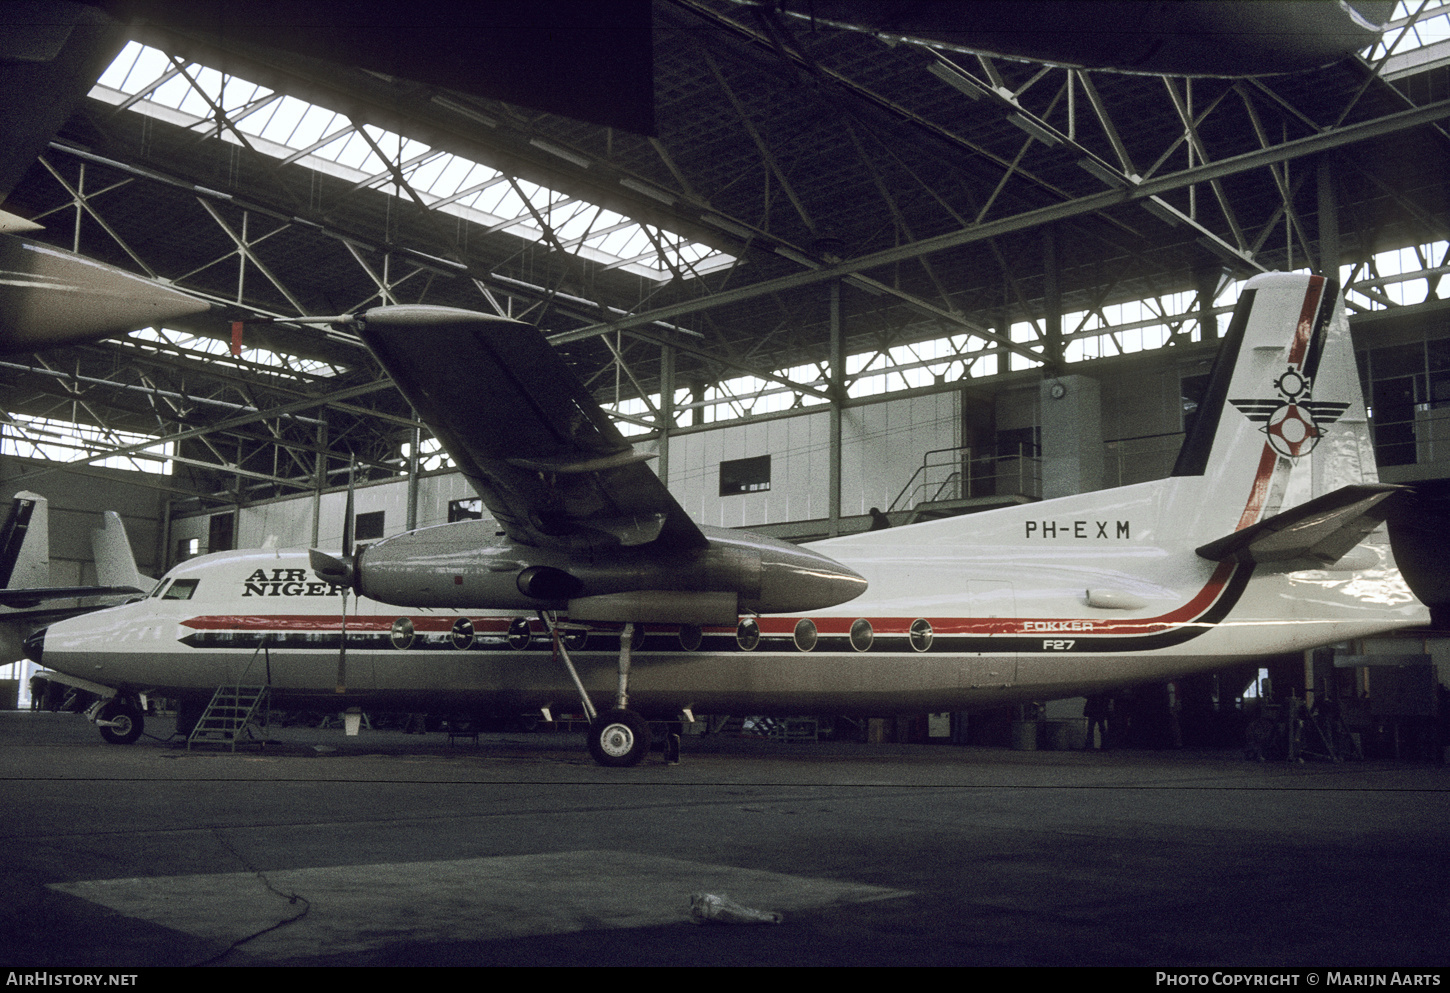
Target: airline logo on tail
<point x="1293" y="421"/>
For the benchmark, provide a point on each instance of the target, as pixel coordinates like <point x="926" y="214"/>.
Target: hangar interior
<point x="836" y="273"/>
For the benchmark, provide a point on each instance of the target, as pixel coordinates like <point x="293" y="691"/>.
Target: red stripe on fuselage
<point x="942" y="626"/>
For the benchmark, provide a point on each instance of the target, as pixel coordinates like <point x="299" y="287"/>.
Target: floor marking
<point x="360" y="907"/>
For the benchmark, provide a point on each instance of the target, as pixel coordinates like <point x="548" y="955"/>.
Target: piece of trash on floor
<point x="717" y="908"/>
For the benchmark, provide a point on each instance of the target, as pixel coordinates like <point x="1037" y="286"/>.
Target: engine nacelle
<point x="469" y="565"/>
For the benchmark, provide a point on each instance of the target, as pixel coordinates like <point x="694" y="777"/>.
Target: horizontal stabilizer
<point x="1324" y="529"/>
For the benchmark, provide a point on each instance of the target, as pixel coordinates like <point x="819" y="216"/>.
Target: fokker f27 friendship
<point x="594" y="587"/>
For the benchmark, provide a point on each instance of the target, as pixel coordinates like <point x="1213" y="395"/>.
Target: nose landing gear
<point x="119" y="721"/>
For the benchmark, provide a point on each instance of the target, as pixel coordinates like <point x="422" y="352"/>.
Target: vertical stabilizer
<point x="115" y="562"/>
<point x="1283" y="421"/>
<point x="25" y="543"/>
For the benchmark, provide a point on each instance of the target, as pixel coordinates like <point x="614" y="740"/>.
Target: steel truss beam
<point x="1092" y="203"/>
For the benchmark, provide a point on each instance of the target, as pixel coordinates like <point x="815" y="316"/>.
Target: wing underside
<point x="545" y="458"/>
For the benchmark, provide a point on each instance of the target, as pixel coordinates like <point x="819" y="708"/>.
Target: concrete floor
<point x="390" y="849"/>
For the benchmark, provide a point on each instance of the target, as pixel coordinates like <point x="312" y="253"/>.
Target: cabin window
<point x="861" y="635"/>
<point x="745" y="475"/>
<point x="462" y="634"/>
<point x="520" y="633"/>
<point x="465" y="510"/>
<point x="182" y="589"/>
<point x="403" y="633"/>
<point x="805" y="634"/>
<point x="921" y="634"/>
<point x="747" y="634"/>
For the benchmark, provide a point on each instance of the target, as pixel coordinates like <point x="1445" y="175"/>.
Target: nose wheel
<point x="120" y="722"/>
<point x="619" y="738"/>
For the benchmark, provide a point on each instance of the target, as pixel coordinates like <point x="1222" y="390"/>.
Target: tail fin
<point x="115" y="562"/>
<point x="1284" y="421"/>
<point x="25" y="543"/>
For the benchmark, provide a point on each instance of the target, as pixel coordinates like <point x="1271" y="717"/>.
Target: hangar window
<point x="220" y="533"/>
<point x="745" y="475"/>
<point x="368" y="526"/>
<point x="68" y="441"/>
<point x="465" y="510"/>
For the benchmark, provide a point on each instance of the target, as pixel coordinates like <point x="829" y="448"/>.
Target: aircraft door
<point x="987" y="599"/>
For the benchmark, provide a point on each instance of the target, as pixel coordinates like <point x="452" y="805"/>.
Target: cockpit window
<point x="156" y="590"/>
<point x="182" y="589"/>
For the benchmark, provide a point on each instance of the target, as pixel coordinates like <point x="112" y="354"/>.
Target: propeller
<point x="347" y="529"/>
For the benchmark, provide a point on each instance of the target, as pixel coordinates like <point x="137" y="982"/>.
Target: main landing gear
<point x="619" y="737"/>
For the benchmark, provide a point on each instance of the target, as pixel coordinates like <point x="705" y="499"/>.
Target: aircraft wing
<point x="29" y="597"/>
<point x="545" y="458"/>
<point x="1325" y="528"/>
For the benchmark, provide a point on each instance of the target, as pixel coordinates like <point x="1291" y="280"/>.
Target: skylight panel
<point x="289" y="366"/>
<point x="67" y="441"/>
<point x="279" y="122"/>
<point x="135" y="68"/>
<point x="295" y="131"/>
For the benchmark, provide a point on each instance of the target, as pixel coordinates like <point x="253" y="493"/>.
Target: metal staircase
<point x="231" y="710"/>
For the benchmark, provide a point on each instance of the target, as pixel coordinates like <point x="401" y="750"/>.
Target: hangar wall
<point x="882" y="445"/>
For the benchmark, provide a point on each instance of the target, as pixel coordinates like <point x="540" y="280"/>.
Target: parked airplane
<point x="25" y="559"/>
<point x="1265" y="540"/>
<point x="28" y="601"/>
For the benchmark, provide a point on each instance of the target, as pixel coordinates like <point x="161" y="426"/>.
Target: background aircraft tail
<point x="1282" y="424"/>
<point x="115" y="561"/>
<point x="25" y="543"/>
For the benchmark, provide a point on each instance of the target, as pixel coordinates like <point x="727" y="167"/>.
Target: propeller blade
<point x="348" y="522"/>
<point x="342" y="650"/>
<point x="348" y="525"/>
<point x="331" y="568"/>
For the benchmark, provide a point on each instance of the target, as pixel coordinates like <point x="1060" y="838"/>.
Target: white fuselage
<point x="962" y="613"/>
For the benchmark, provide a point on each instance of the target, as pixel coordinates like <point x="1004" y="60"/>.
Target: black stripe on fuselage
<point x="942" y="644"/>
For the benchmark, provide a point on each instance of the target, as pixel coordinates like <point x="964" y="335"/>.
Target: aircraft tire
<point x="619" y="738"/>
<point x="129" y="723"/>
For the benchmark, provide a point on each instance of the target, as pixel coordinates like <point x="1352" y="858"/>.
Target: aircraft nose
<point x="34" y="645"/>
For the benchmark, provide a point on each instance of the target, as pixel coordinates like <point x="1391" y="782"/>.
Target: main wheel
<point x="127" y="722"/>
<point x="619" y="738"/>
